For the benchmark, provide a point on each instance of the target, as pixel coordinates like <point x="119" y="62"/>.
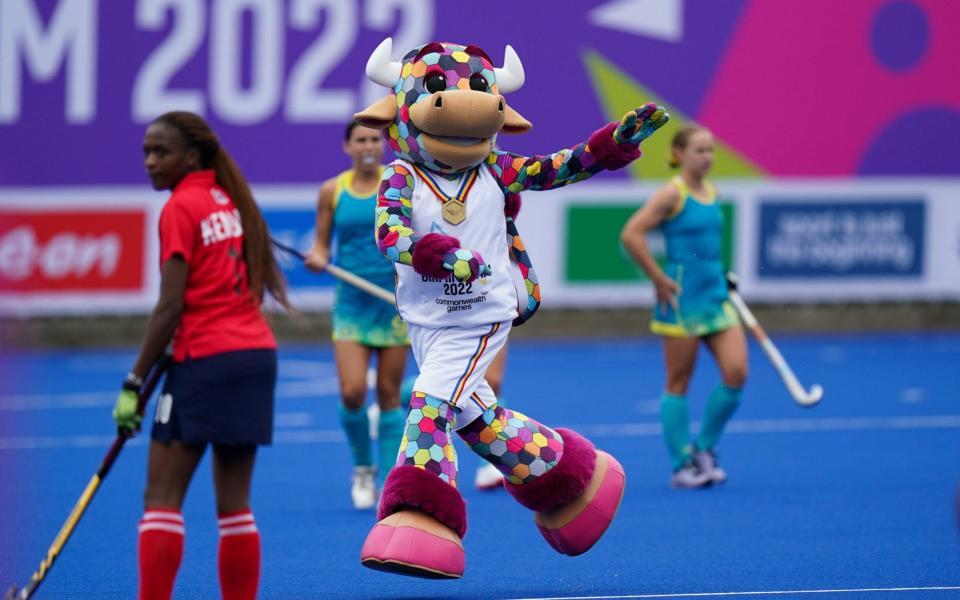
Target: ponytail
<point x="263" y="272"/>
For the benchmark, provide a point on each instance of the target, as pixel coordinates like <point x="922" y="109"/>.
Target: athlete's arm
<point x="634" y="238"/>
<point x="319" y="255"/>
<point x="165" y="316"/>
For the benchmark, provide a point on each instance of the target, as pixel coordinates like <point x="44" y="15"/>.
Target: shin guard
<point x="160" y="550"/>
<point x="239" y="556"/>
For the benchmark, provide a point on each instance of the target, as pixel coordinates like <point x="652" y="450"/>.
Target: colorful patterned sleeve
<point x="570" y="165"/>
<point x="394" y="207"/>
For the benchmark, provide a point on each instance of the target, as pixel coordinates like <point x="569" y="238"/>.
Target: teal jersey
<point x="693" y="236"/>
<point x="354" y="217"/>
<point x="358" y="316"/>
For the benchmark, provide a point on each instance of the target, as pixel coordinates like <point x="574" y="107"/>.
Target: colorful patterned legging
<point x="521" y="448"/>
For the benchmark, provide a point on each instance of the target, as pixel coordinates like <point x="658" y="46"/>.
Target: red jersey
<point x="201" y="224"/>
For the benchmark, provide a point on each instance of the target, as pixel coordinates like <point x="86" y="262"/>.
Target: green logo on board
<point x="594" y="252"/>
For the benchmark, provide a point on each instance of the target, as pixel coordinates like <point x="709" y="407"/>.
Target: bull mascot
<point x="445" y="216"/>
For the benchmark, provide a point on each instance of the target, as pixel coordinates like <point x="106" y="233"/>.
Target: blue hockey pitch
<point x="853" y="498"/>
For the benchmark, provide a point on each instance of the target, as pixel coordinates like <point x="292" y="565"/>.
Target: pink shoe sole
<point x="413" y="543"/>
<point x="574" y="528"/>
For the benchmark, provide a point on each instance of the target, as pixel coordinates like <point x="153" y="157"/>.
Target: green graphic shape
<point x="619" y="92"/>
<point x="594" y="252"/>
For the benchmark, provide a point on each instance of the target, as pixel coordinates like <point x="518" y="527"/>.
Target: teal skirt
<point x="365" y="319"/>
<point x="703" y="306"/>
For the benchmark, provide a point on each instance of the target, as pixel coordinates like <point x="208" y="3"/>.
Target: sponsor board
<point x="59" y="250"/>
<point x="97" y="250"/>
<point x="595" y="254"/>
<point x="835" y="239"/>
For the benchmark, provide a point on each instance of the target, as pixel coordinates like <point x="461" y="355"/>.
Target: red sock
<point x="160" y="550"/>
<point x="239" y="556"/>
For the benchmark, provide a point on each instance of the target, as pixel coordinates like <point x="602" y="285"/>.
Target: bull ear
<point x="514" y="122"/>
<point x="378" y="115"/>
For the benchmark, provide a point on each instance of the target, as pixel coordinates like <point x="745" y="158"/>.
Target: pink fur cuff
<point x="565" y="482"/>
<point x="428" y="254"/>
<point x="609" y="153"/>
<point x="415" y="488"/>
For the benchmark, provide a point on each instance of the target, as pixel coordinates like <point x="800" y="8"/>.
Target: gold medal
<point x="454" y="211"/>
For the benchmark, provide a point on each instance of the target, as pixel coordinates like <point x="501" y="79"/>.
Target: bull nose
<point x="460" y="113"/>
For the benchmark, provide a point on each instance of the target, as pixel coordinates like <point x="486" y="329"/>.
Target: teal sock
<point x="389" y="434"/>
<point x="357" y="427"/>
<point x="675" y="419"/>
<point x="722" y="404"/>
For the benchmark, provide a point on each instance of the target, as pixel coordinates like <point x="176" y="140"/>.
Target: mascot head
<point x="446" y="106"/>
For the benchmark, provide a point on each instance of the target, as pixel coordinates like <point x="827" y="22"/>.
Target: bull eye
<point x="435" y="82"/>
<point x="478" y="83"/>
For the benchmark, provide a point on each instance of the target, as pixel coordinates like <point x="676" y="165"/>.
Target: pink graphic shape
<point x="807" y="95"/>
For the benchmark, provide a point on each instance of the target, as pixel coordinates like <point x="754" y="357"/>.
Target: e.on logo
<point x="71" y="251"/>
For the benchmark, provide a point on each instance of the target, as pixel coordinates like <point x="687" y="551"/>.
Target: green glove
<point x="125" y="411"/>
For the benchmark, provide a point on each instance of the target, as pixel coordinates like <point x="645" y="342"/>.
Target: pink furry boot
<point x="422" y="522"/>
<point x="576" y="500"/>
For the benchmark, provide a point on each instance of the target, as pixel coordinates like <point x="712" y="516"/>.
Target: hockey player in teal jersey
<point x="692" y="305"/>
<point x="362" y="324"/>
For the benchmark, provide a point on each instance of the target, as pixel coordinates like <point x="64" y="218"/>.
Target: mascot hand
<point x="466" y="265"/>
<point x="639" y="124"/>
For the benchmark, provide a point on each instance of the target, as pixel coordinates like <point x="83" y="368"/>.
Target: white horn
<point x="510" y="77"/>
<point x="380" y="69"/>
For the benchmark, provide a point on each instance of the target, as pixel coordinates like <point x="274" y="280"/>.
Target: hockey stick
<point x="800" y="395"/>
<point x="344" y="276"/>
<point x="81" y="506"/>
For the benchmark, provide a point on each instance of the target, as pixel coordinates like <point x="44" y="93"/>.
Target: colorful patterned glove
<point x="466" y="265"/>
<point x="125" y="411"/>
<point x="639" y="124"/>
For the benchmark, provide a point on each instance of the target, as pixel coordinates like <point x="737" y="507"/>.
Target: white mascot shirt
<point x="435" y="303"/>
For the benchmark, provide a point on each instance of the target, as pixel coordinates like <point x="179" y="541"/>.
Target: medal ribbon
<point x="461" y="195"/>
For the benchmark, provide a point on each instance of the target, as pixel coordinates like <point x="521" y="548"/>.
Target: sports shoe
<point x="488" y="477"/>
<point x="706" y="461"/>
<point x="364" y="490"/>
<point x="689" y="476"/>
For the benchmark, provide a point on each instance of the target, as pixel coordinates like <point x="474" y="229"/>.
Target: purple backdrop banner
<point x="79" y="79"/>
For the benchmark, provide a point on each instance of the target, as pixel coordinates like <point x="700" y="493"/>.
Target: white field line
<point x="325" y="436"/>
<point x="286" y="390"/>
<point x="757" y="593"/>
<point x="783" y="425"/>
<point x="297" y="379"/>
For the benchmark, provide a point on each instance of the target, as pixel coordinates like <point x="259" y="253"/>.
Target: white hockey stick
<point x="345" y="276"/>
<point x="800" y="395"/>
<point x="361" y="283"/>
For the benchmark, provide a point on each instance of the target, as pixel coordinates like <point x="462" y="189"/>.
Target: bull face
<point x="446" y="108"/>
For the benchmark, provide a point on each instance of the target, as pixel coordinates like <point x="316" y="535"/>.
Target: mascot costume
<point x="445" y="216"/>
